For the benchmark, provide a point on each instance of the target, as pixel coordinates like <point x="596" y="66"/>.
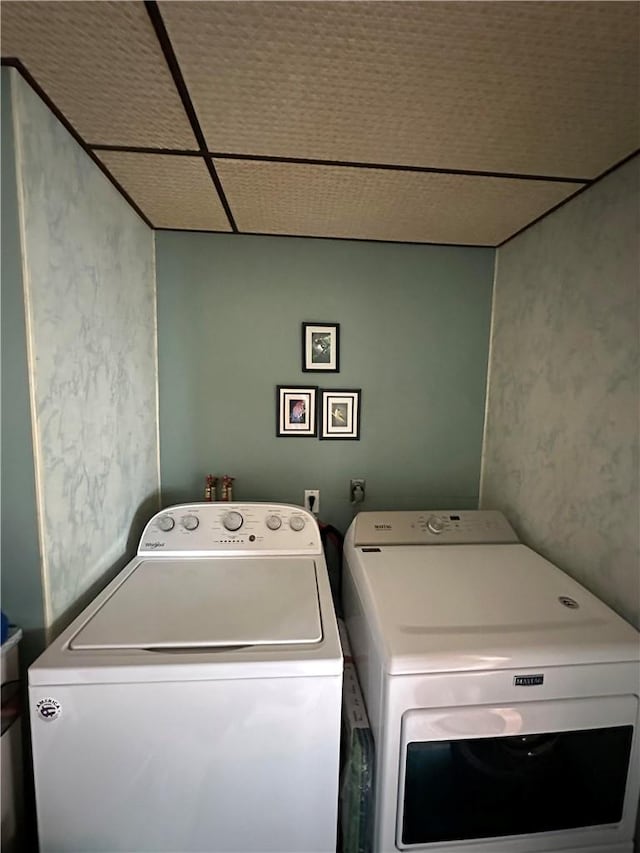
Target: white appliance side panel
<point x="235" y="766"/>
<point x="364" y="652"/>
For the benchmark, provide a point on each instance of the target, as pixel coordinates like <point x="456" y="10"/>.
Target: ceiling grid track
<point x="12" y="62"/>
<point x="141" y="149"/>
<point x="587" y="185"/>
<point x="350" y="164"/>
<point x="343" y="239"/>
<point x="394" y="167"/>
<point x="167" y="48"/>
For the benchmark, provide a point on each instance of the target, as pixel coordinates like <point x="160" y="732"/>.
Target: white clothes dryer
<point x="502" y="695"/>
<point x="195" y="704"/>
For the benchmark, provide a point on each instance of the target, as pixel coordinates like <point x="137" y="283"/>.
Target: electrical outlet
<point x="312" y="505"/>
<point x="357" y="490"/>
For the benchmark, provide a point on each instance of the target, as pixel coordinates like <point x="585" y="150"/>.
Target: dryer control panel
<point x="212" y="529"/>
<point x="432" y="527"/>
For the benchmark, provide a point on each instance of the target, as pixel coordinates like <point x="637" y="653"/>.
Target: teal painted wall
<point x="21" y="576"/>
<point x="414" y="337"/>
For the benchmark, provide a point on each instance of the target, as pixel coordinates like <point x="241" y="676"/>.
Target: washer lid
<point x="200" y="603"/>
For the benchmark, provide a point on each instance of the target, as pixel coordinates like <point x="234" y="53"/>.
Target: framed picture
<point x="340" y="414"/>
<point x="321" y="347"/>
<point x="296" y="411"/>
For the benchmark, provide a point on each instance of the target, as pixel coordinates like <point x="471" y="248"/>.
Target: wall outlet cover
<point x="312" y="505"/>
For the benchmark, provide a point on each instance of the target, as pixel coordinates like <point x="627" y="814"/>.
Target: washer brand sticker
<point x="153" y="545"/>
<point x="382" y="526"/>
<point x="48" y="709"/>
<point x="528" y="680"/>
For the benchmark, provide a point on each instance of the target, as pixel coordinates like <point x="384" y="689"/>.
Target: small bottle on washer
<point x="227" y="488"/>
<point x="210" y="488"/>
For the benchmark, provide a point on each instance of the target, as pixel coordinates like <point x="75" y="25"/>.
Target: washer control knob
<point x="435" y="524"/>
<point x="274" y="522"/>
<point x="233" y="521"/>
<point x="166" y="523"/>
<point x="296" y="522"/>
<point x="190" y="522"/>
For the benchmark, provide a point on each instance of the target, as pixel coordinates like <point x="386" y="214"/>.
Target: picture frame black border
<point x="331" y="392"/>
<point x="320" y="369"/>
<point x="313" y="408"/>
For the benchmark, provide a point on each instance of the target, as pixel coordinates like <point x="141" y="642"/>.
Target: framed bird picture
<point x="321" y="347"/>
<point x="296" y="411"/>
<point x="340" y="414"/>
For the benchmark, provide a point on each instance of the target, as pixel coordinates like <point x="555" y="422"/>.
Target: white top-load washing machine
<point x="195" y="704"/>
<point x="503" y="697"/>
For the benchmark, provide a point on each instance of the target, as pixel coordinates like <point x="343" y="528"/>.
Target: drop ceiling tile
<point x="102" y="66"/>
<point x="538" y="88"/>
<point x="333" y="201"/>
<point x="172" y="191"/>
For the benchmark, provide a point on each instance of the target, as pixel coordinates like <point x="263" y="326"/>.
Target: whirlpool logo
<point x="153" y="545"/>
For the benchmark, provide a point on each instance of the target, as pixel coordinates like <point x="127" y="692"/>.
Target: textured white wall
<point x="88" y="265"/>
<point x="561" y="444"/>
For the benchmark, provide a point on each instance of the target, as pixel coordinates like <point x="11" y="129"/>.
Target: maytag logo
<point x="382" y="526"/>
<point x="153" y="545"/>
<point x="528" y="680"/>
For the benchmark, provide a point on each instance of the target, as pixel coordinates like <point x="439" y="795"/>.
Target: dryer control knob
<point x="166" y="523"/>
<point x="274" y="522"/>
<point x="435" y="524"/>
<point x="190" y="522"/>
<point x="233" y="521"/>
<point x="296" y="522"/>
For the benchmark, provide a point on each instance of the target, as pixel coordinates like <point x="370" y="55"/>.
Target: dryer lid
<point x="481" y="607"/>
<point x="208" y="603"/>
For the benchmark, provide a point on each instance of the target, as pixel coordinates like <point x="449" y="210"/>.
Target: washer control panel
<point x="234" y="528"/>
<point x="432" y="527"/>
